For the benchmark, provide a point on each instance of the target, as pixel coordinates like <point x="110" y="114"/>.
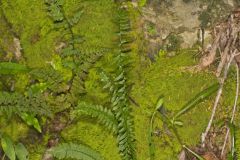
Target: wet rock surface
<point x="170" y="25"/>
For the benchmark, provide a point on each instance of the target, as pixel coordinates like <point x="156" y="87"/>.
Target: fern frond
<point x="118" y="89"/>
<point x="18" y="103"/>
<point x="89" y="55"/>
<point x="121" y="109"/>
<point x="103" y="114"/>
<point x="75" y="151"/>
<point x="76" y="17"/>
<point x="77" y="90"/>
<point x="69" y="51"/>
<point x="87" y="61"/>
<point x="81" y="71"/>
<point x="51" y="77"/>
<point x="57" y="13"/>
<point x="12" y="68"/>
<point x="54" y="9"/>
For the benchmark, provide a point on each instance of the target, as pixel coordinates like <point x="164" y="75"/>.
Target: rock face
<point x="170" y="24"/>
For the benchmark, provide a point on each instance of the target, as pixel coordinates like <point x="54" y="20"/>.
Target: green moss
<point x="173" y="42"/>
<point x="22" y="81"/>
<point x="96" y="24"/>
<point x="11" y="130"/>
<point x="6" y="40"/>
<point x="165" y="77"/>
<point x="30" y="20"/>
<point x="93" y="135"/>
<point x="168" y="77"/>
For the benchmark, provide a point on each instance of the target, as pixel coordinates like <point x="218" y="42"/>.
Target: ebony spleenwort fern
<point x="121" y="110"/>
<point x="118" y="89"/>
<point x="118" y="118"/>
<point x="75" y="151"/>
<point x="103" y="114"/>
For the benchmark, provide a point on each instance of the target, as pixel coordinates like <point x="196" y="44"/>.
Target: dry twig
<point x="233" y="112"/>
<point x="222" y="80"/>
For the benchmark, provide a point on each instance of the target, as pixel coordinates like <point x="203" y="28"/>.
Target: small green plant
<point x="150" y="130"/>
<point x="174" y="42"/>
<point x="151" y="28"/>
<point x="173" y="122"/>
<point x="196" y="100"/>
<point x="73" y="58"/>
<point x="162" y="53"/>
<point x="117" y="87"/>
<point x="31" y="120"/>
<point x="51" y="77"/>
<point x="18" y="103"/>
<point x="201" y="96"/>
<point x="118" y="117"/>
<point x="57" y="13"/>
<point x="11" y="150"/>
<point x="235" y="149"/>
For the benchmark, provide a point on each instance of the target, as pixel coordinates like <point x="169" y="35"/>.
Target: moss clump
<point x="167" y="77"/>
<point x="173" y="42"/>
<point x="98" y="138"/>
<point x="151" y="29"/>
<point x="216" y="11"/>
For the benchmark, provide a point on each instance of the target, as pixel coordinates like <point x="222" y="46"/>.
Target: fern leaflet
<point x="76" y="151"/>
<point x="104" y="115"/>
<point x="118" y="89"/>
<point x="18" y="103"/>
<point x="53" y="78"/>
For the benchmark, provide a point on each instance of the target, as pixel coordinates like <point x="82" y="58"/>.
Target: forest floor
<point x="167" y="77"/>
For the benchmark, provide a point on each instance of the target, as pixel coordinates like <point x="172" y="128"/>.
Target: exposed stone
<point x="181" y="18"/>
<point x="189" y="39"/>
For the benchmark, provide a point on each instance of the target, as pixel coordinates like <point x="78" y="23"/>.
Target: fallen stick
<point x="233" y="112"/>
<point x="204" y="135"/>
